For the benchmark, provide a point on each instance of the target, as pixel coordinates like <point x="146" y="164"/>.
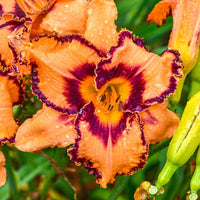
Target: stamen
<point x="102" y="97"/>
<point x="117" y="99"/>
<point x="110" y="107"/>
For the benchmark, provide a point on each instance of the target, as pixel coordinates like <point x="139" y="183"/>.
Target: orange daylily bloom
<point x="108" y="85"/>
<point x="2" y="170"/>
<point x="186" y="27"/>
<point x="185" y="35"/>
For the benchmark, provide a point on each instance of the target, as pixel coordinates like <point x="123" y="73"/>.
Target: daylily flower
<point x="108" y="95"/>
<point x="185" y="35"/>
<point x="104" y="91"/>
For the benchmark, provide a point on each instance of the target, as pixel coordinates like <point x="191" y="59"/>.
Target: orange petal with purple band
<point x="149" y="78"/>
<point x="106" y="148"/>
<point x="67" y="82"/>
<point x="101" y="29"/>
<point x="72" y="12"/>
<point x="11" y="94"/>
<point x="47" y="128"/>
<point x="2" y="170"/>
<point x="158" y="122"/>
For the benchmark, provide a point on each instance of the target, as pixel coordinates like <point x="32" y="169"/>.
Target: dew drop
<point x="90" y="11"/>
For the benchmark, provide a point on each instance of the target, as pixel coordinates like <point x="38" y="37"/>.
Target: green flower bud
<point x="184" y="142"/>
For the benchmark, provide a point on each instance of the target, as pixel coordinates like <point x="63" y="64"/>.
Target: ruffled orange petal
<point x="152" y="77"/>
<point x="61" y="69"/>
<point x="2" y="170"/>
<point x="161" y="11"/>
<point x="108" y="148"/>
<point x="8" y="126"/>
<point x="185" y="35"/>
<point x="159" y="123"/>
<point x="47" y="128"/>
<point x="101" y="29"/>
<point x="66" y="17"/>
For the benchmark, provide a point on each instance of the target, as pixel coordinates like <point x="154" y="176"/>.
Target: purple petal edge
<point x="9" y="140"/>
<point x="176" y="65"/>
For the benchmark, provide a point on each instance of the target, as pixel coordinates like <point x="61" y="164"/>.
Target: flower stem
<point x="10" y="175"/>
<point x="59" y="170"/>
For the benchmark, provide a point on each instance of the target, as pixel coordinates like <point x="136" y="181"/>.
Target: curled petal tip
<point x="160" y="12"/>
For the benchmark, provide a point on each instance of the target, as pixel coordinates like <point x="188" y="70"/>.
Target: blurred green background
<point x="31" y="176"/>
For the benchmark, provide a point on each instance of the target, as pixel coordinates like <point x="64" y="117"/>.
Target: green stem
<point x="120" y="186"/>
<point x="10" y="175"/>
<point x="59" y="170"/>
<point x="166" y="174"/>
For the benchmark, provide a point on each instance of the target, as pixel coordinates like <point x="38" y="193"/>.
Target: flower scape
<point x="103" y="92"/>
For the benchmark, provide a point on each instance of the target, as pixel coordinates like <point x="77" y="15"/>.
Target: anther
<point x="102" y="97"/>
<point x="117" y="99"/>
<point x="110" y="107"/>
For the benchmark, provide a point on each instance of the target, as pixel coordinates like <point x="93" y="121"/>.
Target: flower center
<point x="110" y="99"/>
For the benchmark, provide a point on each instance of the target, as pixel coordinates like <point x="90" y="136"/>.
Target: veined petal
<point x="67" y="82"/>
<point x="72" y="12"/>
<point x="101" y="29"/>
<point x="161" y="11"/>
<point x="2" y="170"/>
<point x="149" y="77"/>
<point x="47" y="128"/>
<point x="158" y="122"/>
<point x="108" y="148"/>
<point x="9" y="91"/>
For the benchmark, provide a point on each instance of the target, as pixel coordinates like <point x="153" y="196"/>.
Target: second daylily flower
<point x="185" y="35"/>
